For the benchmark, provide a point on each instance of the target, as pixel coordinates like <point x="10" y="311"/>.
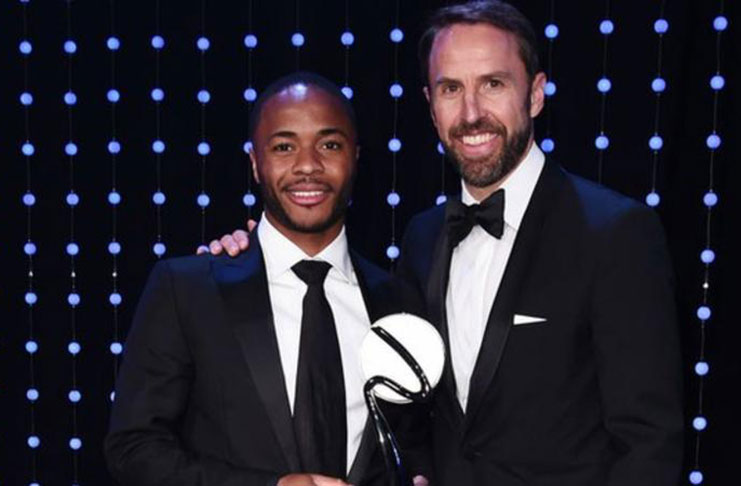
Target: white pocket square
<point x="522" y="319"/>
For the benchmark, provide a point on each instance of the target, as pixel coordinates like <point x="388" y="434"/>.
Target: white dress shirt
<point x="348" y="308"/>
<point x="476" y="269"/>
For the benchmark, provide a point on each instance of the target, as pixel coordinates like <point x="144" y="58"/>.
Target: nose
<point x="470" y="109"/>
<point x="308" y="161"/>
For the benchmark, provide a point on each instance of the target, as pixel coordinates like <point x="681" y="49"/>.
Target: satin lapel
<point x="244" y="288"/>
<point x="437" y="287"/>
<point x="502" y="311"/>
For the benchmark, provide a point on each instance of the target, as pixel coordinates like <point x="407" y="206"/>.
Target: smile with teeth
<point x="478" y="139"/>
<point x="305" y="194"/>
<point x="308" y="196"/>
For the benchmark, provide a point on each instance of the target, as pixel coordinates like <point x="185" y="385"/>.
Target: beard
<point x="491" y="168"/>
<point x="276" y="209"/>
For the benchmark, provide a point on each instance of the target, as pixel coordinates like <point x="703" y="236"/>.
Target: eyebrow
<point x="322" y="133"/>
<point x="496" y="74"/>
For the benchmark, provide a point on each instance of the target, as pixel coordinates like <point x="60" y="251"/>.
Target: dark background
<point x="686" y="115"/>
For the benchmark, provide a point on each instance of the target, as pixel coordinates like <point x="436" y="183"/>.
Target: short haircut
<point x="493" y="12"/>
<point x="306" y="78"/>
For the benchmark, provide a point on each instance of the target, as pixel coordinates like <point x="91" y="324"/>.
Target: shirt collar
<point x="281" y="253"/>
<point x="518" y="187"/>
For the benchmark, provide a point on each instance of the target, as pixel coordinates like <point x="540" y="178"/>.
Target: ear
<point x="428" y="96"/>
<point x="537" y="94"/>
<point x="253" y="160"/>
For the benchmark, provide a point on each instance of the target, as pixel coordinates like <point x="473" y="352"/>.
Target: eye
<point x="449" y="88"/>
<point x="494" y="83"/>
<point x="282" y="147"/>
<point x="332" y="145"/>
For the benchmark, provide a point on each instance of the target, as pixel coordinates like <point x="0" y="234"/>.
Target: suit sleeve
<point x="142" y="447"/>
<point x="638" y="353"/>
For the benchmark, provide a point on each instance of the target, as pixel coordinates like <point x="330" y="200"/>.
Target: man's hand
<point x="234" y="243"/>
<point x="310" y="480"/>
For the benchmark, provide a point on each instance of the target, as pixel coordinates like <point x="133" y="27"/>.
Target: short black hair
<point x="493" y="12"/>
<point x="306" y="78"/>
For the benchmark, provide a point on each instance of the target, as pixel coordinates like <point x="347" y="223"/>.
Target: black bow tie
<point x="460" y="219"/>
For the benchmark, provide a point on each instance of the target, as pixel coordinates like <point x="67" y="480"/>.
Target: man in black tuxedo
<point x="245" y="371"/>
<point x="553" y="294"/>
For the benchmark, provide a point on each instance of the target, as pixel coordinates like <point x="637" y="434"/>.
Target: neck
<point x="310" y="243"/>
<point x="481" y="193"/>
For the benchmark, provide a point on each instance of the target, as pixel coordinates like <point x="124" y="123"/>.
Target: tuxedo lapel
<point x="437" y="285"/>
<point x="243" y="285"/>
<point x="502" y="311"/>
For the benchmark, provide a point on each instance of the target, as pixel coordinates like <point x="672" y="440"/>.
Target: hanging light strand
<point x="394" y="145"/>
<point x="250" y="95"/>
<point x="604" y="85"/>
<point x="158" y="146"/>
<point x="548" y="145"/>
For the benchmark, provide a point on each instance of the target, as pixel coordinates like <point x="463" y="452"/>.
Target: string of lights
<point x="250" y="95"/>
<point x="204" y="97"/>
<point x="113" y="43"/>
<point x="73" y="249"/>
<point x="347" y="39"/>
<point x="298" y="39"/>
<point x="658" y="85"/>
<point x="394" y="145"/>
<point x="604" y="85"/>
<point x="707" y="255"/>
<point x="29" y="249"/>
<point x="548" y="145"/>
<point x="158" y="145"/>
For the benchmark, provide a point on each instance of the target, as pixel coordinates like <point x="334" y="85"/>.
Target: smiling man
<point x="246" y="371"/>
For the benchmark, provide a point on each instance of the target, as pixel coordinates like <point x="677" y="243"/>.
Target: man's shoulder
<point x="427" y="222"/>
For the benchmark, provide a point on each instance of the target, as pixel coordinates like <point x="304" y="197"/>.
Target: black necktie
<point x="460" y="219"/>
<point x="319" y="413"/>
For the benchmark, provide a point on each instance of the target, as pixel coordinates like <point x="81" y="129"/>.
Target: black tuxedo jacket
<point x="591" y="396"/>
<point x="200" y="396"/>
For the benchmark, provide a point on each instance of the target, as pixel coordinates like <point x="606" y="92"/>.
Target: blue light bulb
<point x="158" y="146"/>
<point x="32" y="394"/>
<point x="696" y="477"/>
<point x="604" y="85"/>
<point x="203" y="200"/>
<point x="114" y="248"/>
<point x="347" y="91"/>
<point x="113" y="43"/>
<point x="29" y="248"/>
<point x="297" y="39"/>
<point x="203" y="44"/>
<point x="440" y="148"/>
<point x="158" y="42"/>
<point x="550" y="88"/>
<point x="396" y="35"/>
<point x="28" y="149"/>
<point x="158" y="198"/>
<point x="699" y="423"/>
<point x="25" y="47"/>
<point x="551" y="31"/>
<point x="710" y="199"/>
<point x="31" y="347"/>
<point x="70" y="47"/>
<point x="250" y="41"/>
<point x="72" y="249"/>
<point x="114" y="147"/>
<point x="702" y="368"/>
<point x="717" y="82"/>
<point x="249" y="200"/>
<point x="547" y="145"/>
<point x="72" y="199"/>
<point x="250" y="95"/>
<point x="31" y="298"/>
<point x="653" y="199"/>
<point x="396" y="90"/>
<point x="658" y="85"/>
<point x="720" y="23"/>
<point x="602" y="142"/>
<point x="655" y="142"/>
<point x="34" y="442"/>
<point x="393" y="199"/>
<point x="75" y="443"/>
<point x="116" y="348"/>
<point x="70" y="98"/>
<point x="159" y="249"/>
<point x="26" y="99"/>
<point x="115" y="299"/>
<point x="29" y="199"/>
<point x="204" y="148"/>
<point x="74" y="396"/>
<point x="113" y="95"/>
<point x="707" y="256"/>
<point x="703" y="313"/>
<point x="204" y="96"/>
<point x="713" y="141"/>
<point x="392" y="252"/>
<point x="347" y="39"/>
<point x="441" y="199"/>
<point x="73" y="299"/>
<point x="606" y="27"/>
<point x="661" y="26"/>
<point x="247" y="147"/>
<point x="70" y="149"/>
<point x="158" y="95"/>
<point x="74" y="348"/>
<point x="114" y="198"/>
<point x="394" y="145"/>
